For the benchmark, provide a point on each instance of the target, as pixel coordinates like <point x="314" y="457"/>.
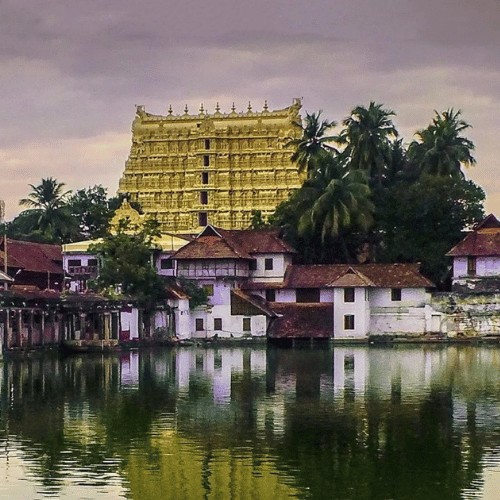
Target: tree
<point x="313" y="144"/>
<point x="440" y="148"/>
<point x="367" y="139"/>
<point x="48" y="218"/>
<point x="126" y="263"/>
<point x="324" y="217"/>
<point x="421" y="221"/>
<point x="92" y="209"/>
<point x="342" y="203"/>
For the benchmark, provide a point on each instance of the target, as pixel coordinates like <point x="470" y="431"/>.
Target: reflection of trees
<point x="74" y="414"/>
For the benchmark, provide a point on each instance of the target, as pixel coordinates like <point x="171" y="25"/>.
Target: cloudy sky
<point x="72" y="71"/>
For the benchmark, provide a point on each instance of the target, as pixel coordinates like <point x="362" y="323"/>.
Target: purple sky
<point x="71" y="73"/>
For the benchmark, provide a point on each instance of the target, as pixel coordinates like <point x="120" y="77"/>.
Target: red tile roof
<point x="478" y="243"/>
<point x="255" y="301"/>
<point x="34" y="257"/>
<point x="215" y="243"/>
<point x="301" y="321"/>
<point x="342" y="275"/>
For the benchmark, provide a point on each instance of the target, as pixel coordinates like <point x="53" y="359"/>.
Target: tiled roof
<point x="369" y="275"/>
<point x="34" y="257"/>
<point x="209" y="247"/>
<point x="255" y="301"/>
<point x="257" y="240"/>
<point x="215" y="243"/>
<point x="478" y="243"/>
<point x="301" y="321"/>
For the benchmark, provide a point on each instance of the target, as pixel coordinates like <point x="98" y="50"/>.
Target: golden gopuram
<point x="190" y="170"/>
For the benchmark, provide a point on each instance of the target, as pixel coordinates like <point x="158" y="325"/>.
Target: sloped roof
<point x="301" y="321"/>
<point x="257" y="240"/>
<point x="489" y="222"/>
<point x="33" y="257"/>
<point x="367" y="275"/>
<point x="478" y="243"/>
<point x="216" y="243"/>
<point x="256" y="301"/>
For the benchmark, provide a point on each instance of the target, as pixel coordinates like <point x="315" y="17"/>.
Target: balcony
<point x="87" y="271"/>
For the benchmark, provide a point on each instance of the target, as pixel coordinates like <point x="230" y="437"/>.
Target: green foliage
<point x="440" y="149"/>
<point x="92" y="209"/>
<point x="423" y="220"/>
<point x="48" y="218"/>
<point x="126" y="263"/>
<point x="198" y="296"/>
<point x="377" y="200"/>
<point x="313" y="144"/>
<point x="258" y="221"/>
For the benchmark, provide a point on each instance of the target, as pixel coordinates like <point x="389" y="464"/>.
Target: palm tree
<point x="48" y="195"/>
<point x="367" y="139"/>
<point x="440" y="149"/>
<point x="51" y="218"/>
<point x="313" y="144"/>
<point x="343" y="204"/>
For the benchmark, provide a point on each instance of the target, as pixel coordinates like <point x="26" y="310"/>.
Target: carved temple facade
<point x="194" y="170"/>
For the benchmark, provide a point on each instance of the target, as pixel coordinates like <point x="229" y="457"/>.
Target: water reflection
<point x="347" y="423"/>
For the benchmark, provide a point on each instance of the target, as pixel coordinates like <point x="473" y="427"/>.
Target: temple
<point x="193" y="170"/>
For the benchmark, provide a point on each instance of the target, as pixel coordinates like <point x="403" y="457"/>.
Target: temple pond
<point x="400" y="422"/>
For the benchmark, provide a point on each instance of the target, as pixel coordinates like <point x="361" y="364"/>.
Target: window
<point x="199" y="324"/>
<point x="349" y="322"/>
<point x="270" y="295"/>
<point x="305" y="295"/>
<point x="203" y="197"/>
<point x="209" y="290"/>
<point x="74" y="262"/>
<point x="204" y="177"/>
<point x="252" y="265"/>
<point x="349" y="294"/>
<point x="471" y="266"/>
<point x="92" y="262"/>
<point x="206" y="161"/>
<point x="268" y="264"/>
<point x="246" y="324"/>
<point x="218" y="324"/>
<point x="166" y="264"/>
<point x="202" y="218"/>
<point x="207" y="143"/>
<point x="396" y="294"/>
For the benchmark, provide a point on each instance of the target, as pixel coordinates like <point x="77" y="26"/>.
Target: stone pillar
<point x="8" y="330"/>
<point x="107" y="325"/>
<point x="30" y="328"/>
<point x="42" y="327"/>
<point x="19" y="321"/>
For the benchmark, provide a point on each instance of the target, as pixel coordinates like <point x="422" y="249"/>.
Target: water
<point x="253" y="423"/>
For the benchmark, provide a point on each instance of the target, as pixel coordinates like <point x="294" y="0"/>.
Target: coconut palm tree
<point x="51" y="218"/>
<point x="313" y="144"/>
<point x="367" y="139"/>
<point x="343" y="204"/>
<point x="440" y="148"/>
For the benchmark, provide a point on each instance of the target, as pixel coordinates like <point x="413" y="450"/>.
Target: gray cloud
<point x="71" y="72"/>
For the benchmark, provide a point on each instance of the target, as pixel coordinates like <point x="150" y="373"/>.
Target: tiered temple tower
<point x="190" y="170"/>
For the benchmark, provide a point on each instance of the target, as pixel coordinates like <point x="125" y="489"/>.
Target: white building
<point x="476" y="259"/>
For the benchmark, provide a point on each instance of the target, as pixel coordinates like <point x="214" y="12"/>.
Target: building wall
<point x="381" y="297"/>
<point x="221" y="165"/>
<point x="485" y="266"/>
<point x="359" y="309"/>
<point x="232" y="326"/>
<point x="277" y="273"/>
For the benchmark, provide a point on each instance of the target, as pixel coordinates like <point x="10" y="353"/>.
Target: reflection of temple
<point x="191" y="170"/>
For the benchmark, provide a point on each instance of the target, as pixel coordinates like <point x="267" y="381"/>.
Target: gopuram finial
<point x="186" y="110"/>
<point x="265" y="106"/>
<point x="249" y="107"/>
<point x="170" y="110"/>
